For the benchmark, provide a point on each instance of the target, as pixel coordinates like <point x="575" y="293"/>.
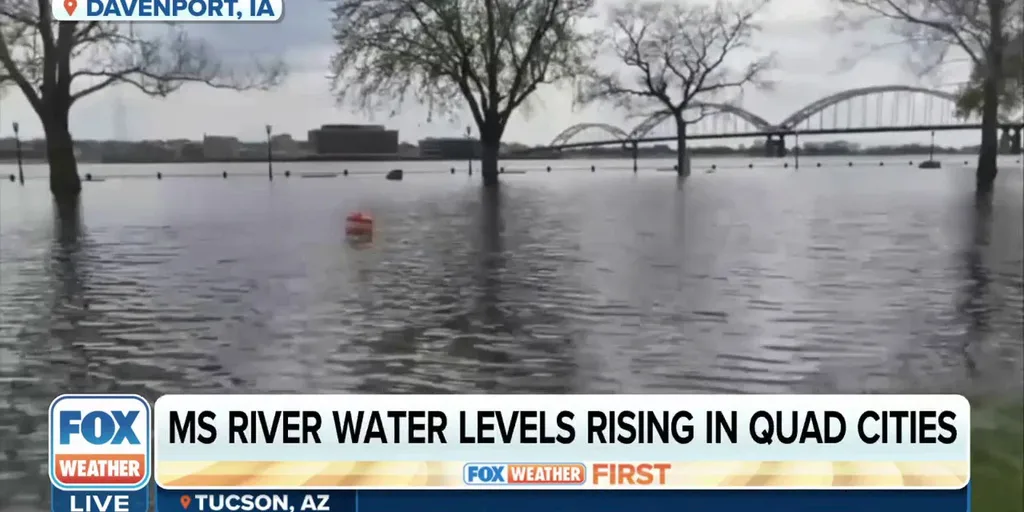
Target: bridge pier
<point x="1010" y="140"/>
<point x="775" y="146"/>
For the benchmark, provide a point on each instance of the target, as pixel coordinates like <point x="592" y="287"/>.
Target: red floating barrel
<point x="359" y="223"/>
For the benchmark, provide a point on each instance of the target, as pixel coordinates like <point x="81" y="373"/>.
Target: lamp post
<point x="270" y="156"/>
<point x="472" y="150"/>
<point x="17" y="149"/>
<point x="931" y="149"/>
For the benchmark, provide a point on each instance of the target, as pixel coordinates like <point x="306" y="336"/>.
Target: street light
<point x="270" y="156"/>
<point x="17" y="149"/>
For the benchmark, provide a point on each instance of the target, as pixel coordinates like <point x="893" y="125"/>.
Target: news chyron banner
<point x="387" y="453"/>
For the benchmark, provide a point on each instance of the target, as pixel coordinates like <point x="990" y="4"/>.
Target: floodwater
<point x="862" y="275"/>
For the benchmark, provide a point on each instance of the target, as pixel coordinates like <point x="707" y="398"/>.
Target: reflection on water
<point x="829" y="280"/>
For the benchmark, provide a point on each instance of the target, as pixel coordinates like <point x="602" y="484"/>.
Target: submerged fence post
<point x="472" y="150"/>
<point x="270" y="156"/>
<point x="796" y="150"/>
<point x="17" y="150"/>
<point x="635" y="152"/>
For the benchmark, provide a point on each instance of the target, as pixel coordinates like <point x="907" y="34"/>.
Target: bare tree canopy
<point x="96" y="55"/>
<point x="487" y="55"/>
<point x="1011" y="92"/>
<point x="934" y="28"/>
<point x="668" y="54"/>
<point x="54" y="64"/>
<point x="675" y="52"/>
<point x="980" y="29"/>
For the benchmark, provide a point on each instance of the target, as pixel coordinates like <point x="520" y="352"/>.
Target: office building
<point x="353" y="139"/>
<point x="221" y="148"/>
<point x="284" y="145"/>
<point x="450" y="148"/>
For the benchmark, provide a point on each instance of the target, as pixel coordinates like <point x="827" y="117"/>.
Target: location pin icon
<point x="69" y="6"/>
<point x="185" y="500"/>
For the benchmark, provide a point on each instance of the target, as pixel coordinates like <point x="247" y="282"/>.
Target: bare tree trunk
<point x="489" y="162"/>
<point x="988" y="155"/>
<point x="682" y="163"/>
<point x="490" y="142"/>
<point x="989" y="152"/>
<point x="60" y="153"/>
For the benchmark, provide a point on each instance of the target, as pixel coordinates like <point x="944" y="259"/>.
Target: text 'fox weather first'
<point x="100" y="457"/>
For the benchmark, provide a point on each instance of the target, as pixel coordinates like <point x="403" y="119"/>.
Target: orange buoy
<point x="359" y="224"/>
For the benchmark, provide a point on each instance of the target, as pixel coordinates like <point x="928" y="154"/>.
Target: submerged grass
<point x="997" y="457"/>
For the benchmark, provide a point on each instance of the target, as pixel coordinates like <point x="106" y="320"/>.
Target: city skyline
<point x="304" y="100"/>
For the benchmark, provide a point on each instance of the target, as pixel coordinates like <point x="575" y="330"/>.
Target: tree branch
<point x="946" y="18"/>
<point x="45" y="58"/>
<point x="979" y="28"/>
<point x="676" y="53"/>
<point x="491" y="55"/>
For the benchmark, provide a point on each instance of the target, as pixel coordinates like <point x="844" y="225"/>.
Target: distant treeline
<point x="835" y="148"/>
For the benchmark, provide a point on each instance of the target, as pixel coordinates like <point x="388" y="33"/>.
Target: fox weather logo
<point x="99" y="442"/>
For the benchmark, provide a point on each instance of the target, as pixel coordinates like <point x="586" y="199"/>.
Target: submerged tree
<point x="488" y="54"/>
<point x="55" y="64"/>
<point x="980" y="29"/>
<point x="671" y="54"/>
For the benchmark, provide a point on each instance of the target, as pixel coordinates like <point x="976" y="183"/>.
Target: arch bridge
<point x="877" y="109"/>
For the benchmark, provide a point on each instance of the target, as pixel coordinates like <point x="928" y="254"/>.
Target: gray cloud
<point x="304" y="24"/>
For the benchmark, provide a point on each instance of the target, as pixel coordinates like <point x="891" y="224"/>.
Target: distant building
<point x="191" y="151"/>
<point x="221" y="148"/>
<point x="284" y="145"/>
<point x="450" y="148"/>
<point x="407" y="150"/>
<point x="353" y="139"/>
<point x="252" y="151"/>
<point x="177" y="147"/>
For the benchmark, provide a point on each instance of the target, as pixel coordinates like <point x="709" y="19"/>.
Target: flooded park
<point x="846" y="276"/>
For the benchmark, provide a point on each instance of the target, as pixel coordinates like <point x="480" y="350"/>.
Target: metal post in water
<point x="931" y="149"/>
<point x="270" y="155"/>
<point x="796" y="150"/>
<point x="635" y="151"/>
<point x="472" y="150"/>
<point x="17" y="149"/>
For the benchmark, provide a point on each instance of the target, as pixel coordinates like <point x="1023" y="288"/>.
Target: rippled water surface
<point x="834" y="279"/>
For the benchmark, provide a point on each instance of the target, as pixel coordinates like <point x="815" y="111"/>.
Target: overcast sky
<point x="809" y="55"/>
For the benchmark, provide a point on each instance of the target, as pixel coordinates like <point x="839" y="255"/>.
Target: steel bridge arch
<point x="645" y="126"/>
<point x="809" y="110"/>
<point x="567" y="134"/>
